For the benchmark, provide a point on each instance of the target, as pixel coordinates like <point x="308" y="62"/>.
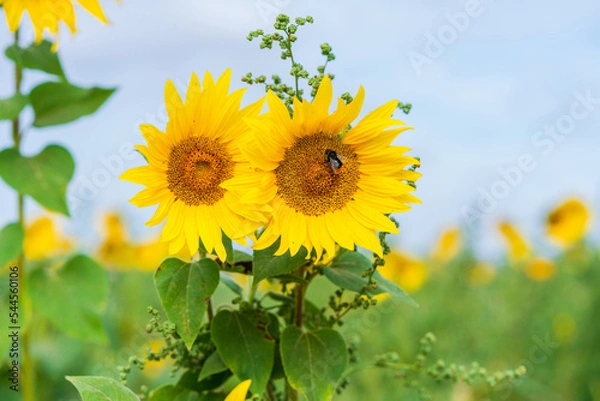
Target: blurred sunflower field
<point x="268" y="235"/>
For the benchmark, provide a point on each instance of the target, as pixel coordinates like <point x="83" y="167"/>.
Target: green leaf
<point x="213" y="364"/>
<point x="266" y="264"/>
<point x="231" y="284"/>
<point x="73" y="297"/>
<point x="11" y="242"/>
<point x="97" y="388"/>
<point x="36" y="57"/>
<point x="44" y="177"/>
<point x="170" y="392"/>
<point x="190" y="381"/>
<point x="228" y="244"/>
<point x="313" y="361"/>
<point x="239" y="256"/>
<point x="244" y="344"/>
<point x="183" y="289"/>
<point x="11" y="108"/>
<point x="56" y="103"/>
<point x="346" y="272"/>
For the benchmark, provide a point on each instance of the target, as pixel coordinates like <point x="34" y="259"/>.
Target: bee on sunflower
<point x="326" y="184"/>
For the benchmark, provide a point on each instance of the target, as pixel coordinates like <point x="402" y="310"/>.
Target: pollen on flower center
<point x="196" y="167"/>
<point x="307" y="180"/>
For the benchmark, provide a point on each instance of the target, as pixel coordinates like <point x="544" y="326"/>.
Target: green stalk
<point x="28" y="368"/>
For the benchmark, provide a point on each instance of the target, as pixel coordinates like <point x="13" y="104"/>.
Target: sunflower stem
<point x="296" y="76"/>
<point x="300" y="288"/>
<point x="28" y="379"/>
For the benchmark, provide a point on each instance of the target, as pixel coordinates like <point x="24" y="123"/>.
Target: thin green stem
<point x="395" y="366"/>
<point x="252" y="292"/>
<point x="28" y="378"/>
<point x="296" y="77"/>
<point x="299" y="306"/>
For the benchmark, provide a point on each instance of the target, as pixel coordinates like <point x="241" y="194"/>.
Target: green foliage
<point x="183" y="289"/>
<point x="11" y="108"/>
<point x="96" y="388"/>
<point x="266" y="264"/>
<point x="11" y="242"/>
<point x="348" y="271"/>
<point x="245" y="345"/>
<point x="173" y="393"/>
<point x="58" y="103"/>
<point x="314" y="361"/>
<point x="37" y="57"/>
<point x="213" y="365"/>
<point x="52" y="169"/>
<point x="72" y="297"/>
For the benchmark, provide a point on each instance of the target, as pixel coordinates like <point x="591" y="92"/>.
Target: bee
<point x="332" y="158"/>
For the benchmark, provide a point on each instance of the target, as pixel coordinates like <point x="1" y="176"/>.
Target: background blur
<point x="481" y="97"/>
<point x="506" y="110"/>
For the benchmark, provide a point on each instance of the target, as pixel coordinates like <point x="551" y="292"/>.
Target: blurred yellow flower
<point x="540" y="269"/>
<point x="518" y="248"/>
<point x="482" y="273"/>
<point x="154" y="369"/>
<point x="239" y="392"/>
<point x="409" y="273"/>
<point x="43" y="240"/>
<point x="116" y="250"/>
<point x="47" y="14"/>
<point x="568" y="223"/>
<point x="448" y="245"/>
<point x="564" y="327"/>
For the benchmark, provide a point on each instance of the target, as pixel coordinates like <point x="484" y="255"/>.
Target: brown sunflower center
<point x="318" y="174"/>
<point x="197" y="165"/>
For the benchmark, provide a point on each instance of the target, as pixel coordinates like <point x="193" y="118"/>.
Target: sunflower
<point x="239" y="392"/>
<point x="568" y="223"/>
<point x="325" y="183"/>
<point x="46" y="14"/>
<point x="43" y="240"/>
<point x="518" y="248"/>
<point x="188" y="164"/>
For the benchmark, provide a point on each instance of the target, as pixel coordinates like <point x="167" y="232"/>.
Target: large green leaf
<point x="313" y="361"/>
<point x="36" y="57"/>
<point x="213" y="365"/>
<point x="58" y="103"/>
<point x="44" y="177"/>
<point x="183" y="289"/>
<point x="11" y="108"/>
<point x="170" y="392"/>
<point x="266" y="264"/>
<point x="244" y="344"/>
<point x="73" y="297"/>
<point x="97" y="388"/>
<point x="11" y="242"/>
<point x="346" y="272"/>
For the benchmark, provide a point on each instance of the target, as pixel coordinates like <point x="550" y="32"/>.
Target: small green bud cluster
<point x="285" y="35"/>
<point x="414" y="167"/>
<point x="405" y="107"/>
<point x="174" y="348"/>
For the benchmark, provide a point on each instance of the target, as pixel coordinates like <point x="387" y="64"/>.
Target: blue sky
<point x="490" y="84"/>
